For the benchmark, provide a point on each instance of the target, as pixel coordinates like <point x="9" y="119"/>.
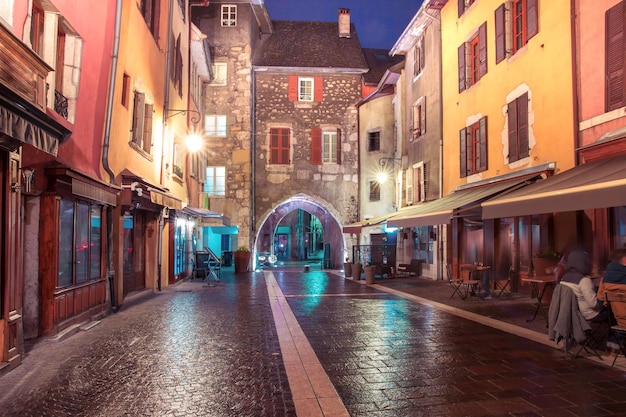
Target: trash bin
<point x="227" y="258"/>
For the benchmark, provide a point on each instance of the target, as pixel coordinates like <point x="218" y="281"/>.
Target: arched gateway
<point x="301" y="229"/>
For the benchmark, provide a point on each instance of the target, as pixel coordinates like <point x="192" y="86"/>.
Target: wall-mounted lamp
<point x="384" y="161"/>
<point x="194" y="115"/>
<point x="193" y="140"/>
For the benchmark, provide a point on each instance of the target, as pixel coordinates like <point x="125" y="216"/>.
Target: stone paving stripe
<point x="313" y="393"/>
<point x="487" y="321"/>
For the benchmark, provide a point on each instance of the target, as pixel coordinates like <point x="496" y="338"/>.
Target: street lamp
<point x="193" y="140"/>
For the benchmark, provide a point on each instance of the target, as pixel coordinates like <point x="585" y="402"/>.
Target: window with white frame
<point x="418" y="182"/>
<point x="215" y="185"/>
<point x="305" y="89"/>
<point x="219" y="73"/>
<point x="142" y="123"/>
<point x="229" y="15"/>
<point x="215" y="125"/>
<point x="418" y="127"/>
<point x="329" y="147"/>
<point x="418" y="57"/>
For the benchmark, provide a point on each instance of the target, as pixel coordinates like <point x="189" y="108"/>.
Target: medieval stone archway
<point x="333" y="245"/>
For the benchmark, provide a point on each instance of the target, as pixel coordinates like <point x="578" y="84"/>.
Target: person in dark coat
<point x="577" y="278"/>
<point x="616" y="269"/>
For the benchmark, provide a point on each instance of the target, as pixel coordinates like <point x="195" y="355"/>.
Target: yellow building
<point x="508" y="118"/>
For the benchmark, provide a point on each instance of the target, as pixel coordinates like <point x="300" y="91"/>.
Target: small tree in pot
<point x="242" y="259"/>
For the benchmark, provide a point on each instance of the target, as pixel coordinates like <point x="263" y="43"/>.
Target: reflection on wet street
<point x="347" y="349"/>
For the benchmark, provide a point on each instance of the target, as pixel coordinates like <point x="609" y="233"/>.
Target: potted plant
<point x="370" y="273"/>
<point x="347" y="268"/>
<point x="242" y="259"/>
<point x="545" y="261"/>
<point x="356" y="271"/>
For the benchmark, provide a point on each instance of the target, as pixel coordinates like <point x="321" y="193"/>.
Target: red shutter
<point x="482" y="161"/>
<point x="522" y="125"/>
<point x="615" y="57"/>
<point x="513" y="144"/>
<point x="293" y="88"/>
<point x="532" y="19"/>
<point x="284" y="146"/>
<point x="316" y="146"/>
<point x="274" y="158"/>
<point x="318" y="86"/>
<point x="279" y="146"/>
<point x="500" y="34"/>
<point x="482" y="46"/>
<point x="338" y="146"/>
<point x="463" y="152"/>
<point x="461" y="4"/>
<point x="462" y="76"/>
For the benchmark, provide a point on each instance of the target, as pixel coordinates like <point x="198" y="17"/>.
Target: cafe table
<point x="539" y="285"/>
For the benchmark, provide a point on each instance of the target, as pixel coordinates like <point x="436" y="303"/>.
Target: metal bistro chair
<point x="200" y="266"/>
<point x="455" y="283"/>
<point x="615" y="300"/>
<point x="471" y="284"/>
<point x="502" y="285"/>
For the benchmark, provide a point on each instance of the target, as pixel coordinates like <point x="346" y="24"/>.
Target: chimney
<point x="344" y="23"/>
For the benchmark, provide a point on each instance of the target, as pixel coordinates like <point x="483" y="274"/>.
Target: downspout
<point x="575" y="81"/>
<point x="253" y="165"/>
<point x="106" y="143"/>
<point x="166" y="102"/>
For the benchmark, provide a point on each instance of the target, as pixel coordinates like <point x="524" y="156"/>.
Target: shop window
<point x="180" y="246"/>
<point x="80" y="247"/>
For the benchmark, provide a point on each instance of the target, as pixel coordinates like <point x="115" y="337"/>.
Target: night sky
<point x="378" y="23"/>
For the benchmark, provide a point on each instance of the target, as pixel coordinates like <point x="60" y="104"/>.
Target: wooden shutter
<point x="139" y="109"/>
<point x="318" y="87"/>
<point x="339" y="147"/>
<point x="279" y="146"/>
<point x="522" y="125"/>
<point x="500" y="34"/>
<point x="482" y="140"/>
<point x="293" y="88"/>
<point x="615" y="57"/>
<point x="423" y="117"/>
<point x="462" y="75"/>
<point x="147" y="128"/>
<point x="316" y="146"/>
<point x="482" y="46"/>
<point x="461" y="4"/>
<point x="532" y="19"/>
<point x="463" y="152"/>
<point x="513" y="144"/>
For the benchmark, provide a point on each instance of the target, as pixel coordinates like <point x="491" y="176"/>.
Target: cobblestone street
<point x="195" y="350"/>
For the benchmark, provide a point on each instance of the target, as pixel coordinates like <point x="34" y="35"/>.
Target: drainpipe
<point x="166" y="102"/>
<point x="253" y="166"/>
<point x="106" y="146"/>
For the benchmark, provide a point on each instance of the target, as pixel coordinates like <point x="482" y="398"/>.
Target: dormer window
<point x="229" y="15"/>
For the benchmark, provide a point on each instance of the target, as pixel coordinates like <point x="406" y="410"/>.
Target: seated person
<point x="614" y="278"/>
<point x="577" y="278"/>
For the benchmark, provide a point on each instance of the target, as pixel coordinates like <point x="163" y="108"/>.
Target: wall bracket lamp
<point x="194" y="115"/>
<point x="384" y="161"/>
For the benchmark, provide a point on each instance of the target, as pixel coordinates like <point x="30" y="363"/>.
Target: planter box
<point x="242" y="260"/>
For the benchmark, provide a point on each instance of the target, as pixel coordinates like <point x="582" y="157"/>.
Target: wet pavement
<point x="288" y="342"/>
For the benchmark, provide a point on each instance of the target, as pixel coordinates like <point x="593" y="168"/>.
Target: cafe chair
<point x="455" y="283"/>
<point x="471" y="284"/>
<point x="566" y="323"/>
<point x="502" y="284"/>
<point x="615" y="300"/>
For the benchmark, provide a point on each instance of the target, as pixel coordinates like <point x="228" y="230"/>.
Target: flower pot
<point x="347" y="269"/>
<point x="356" y="272"/>
<point x="242" y="260"/>
<point x="370" y="273"/>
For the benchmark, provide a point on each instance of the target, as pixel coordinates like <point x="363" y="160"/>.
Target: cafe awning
<point x="208" y="217"/>
<point x="596" y="184"/>
<point x="22" y="122"/>
<point x="373" y="221"/>
<point x="442" y="210"/>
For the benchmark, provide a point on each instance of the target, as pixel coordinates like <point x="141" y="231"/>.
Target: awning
<point x="207" y="216"/>
<point x="373" y="221"/>
<point x="164" y="199"/>
<point x="224" y="230"/>
<point x="442" y="210"/>
<point x="592" y="185"/>
<point x="21" y="122"/>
